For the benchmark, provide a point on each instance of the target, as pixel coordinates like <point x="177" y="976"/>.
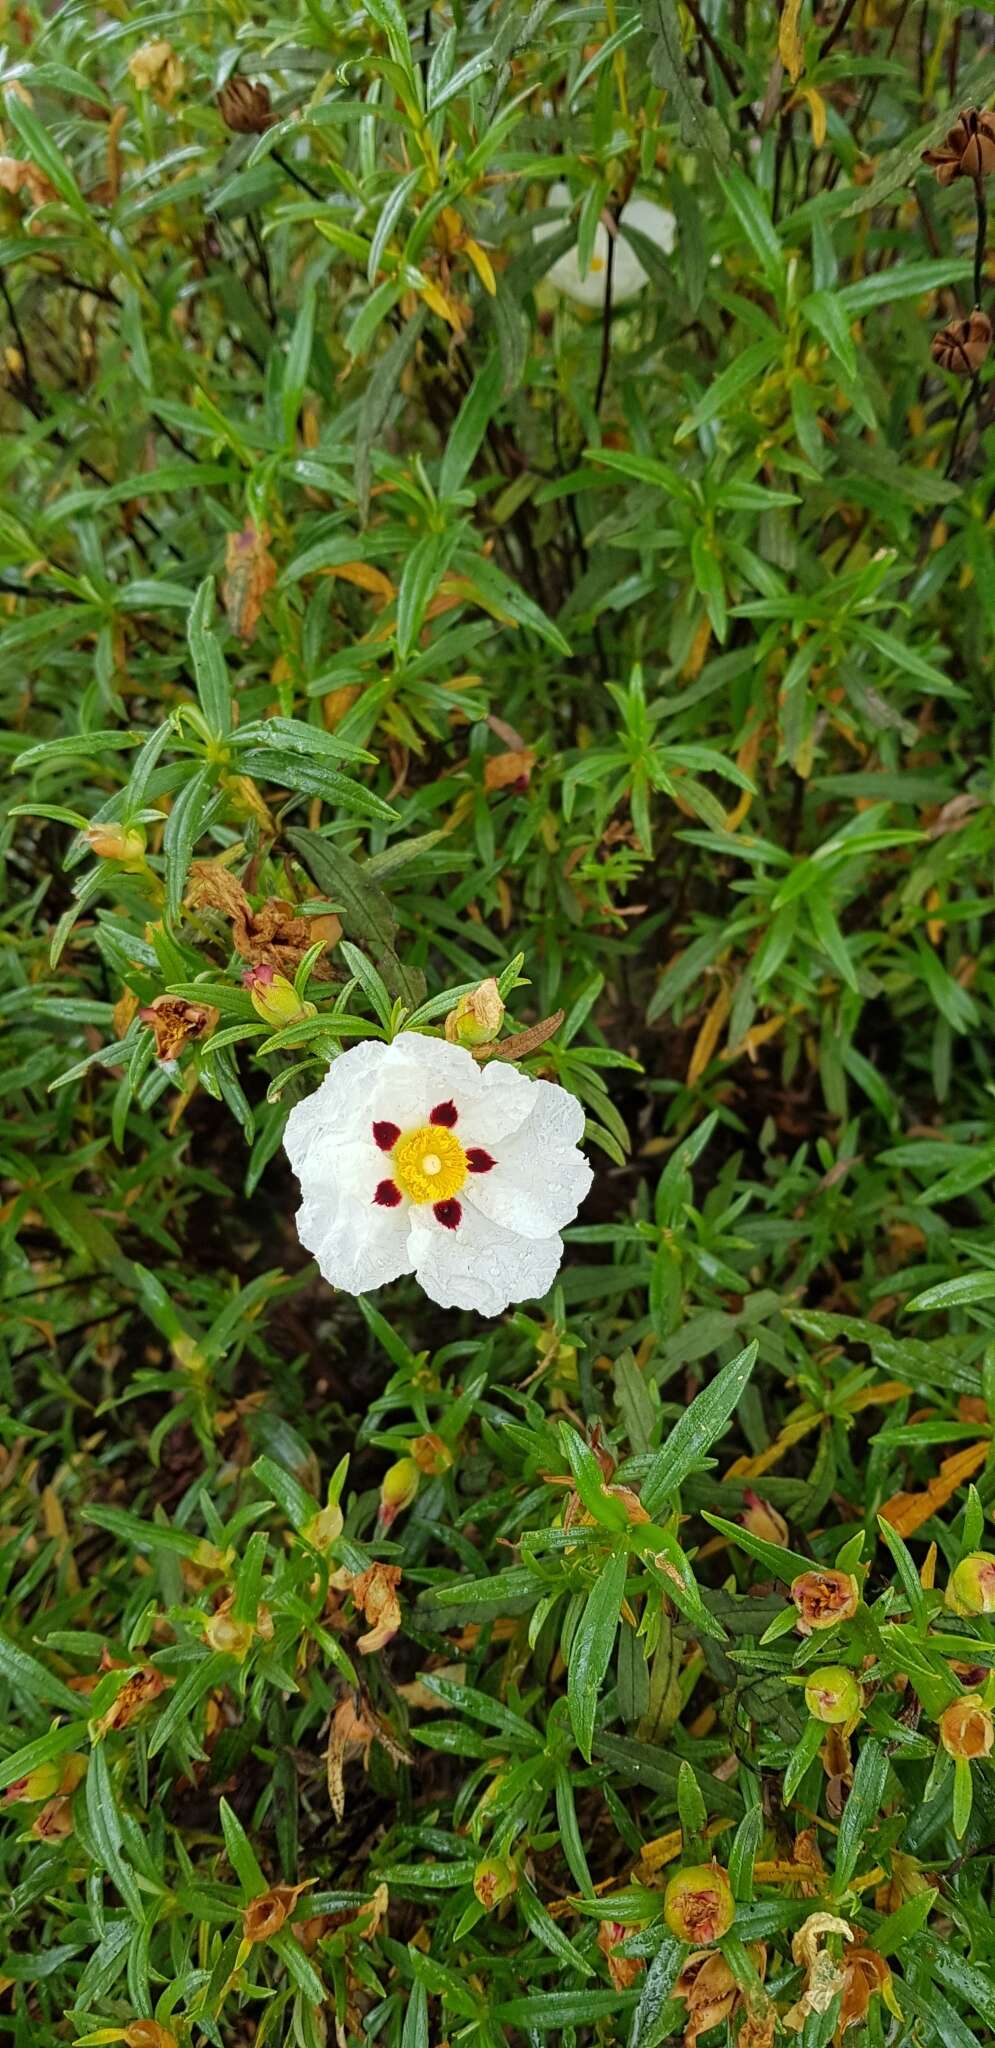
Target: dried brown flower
<point x="623" y="1970"/>
<point x="18" y="175"/>
<point x="157" y="67"/>
<point x="176" y="1023"/>
<point x="375" y="1591"/>
<point x="245" y="106"/>
<point x="967" y="151"/>
<point x="962" y="345"/>
<point x="272" y="936"/>
<point x="709" y="1989"/>
<point x="137" y="1692"/>
<point x="264" y="1917"/>
<point x="866" y="1974"/>
<point x="250" y="573"/>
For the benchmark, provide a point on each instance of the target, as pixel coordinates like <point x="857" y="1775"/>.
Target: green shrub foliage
<point x="424" y="563"/>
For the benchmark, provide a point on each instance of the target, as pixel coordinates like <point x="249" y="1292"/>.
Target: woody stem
<point x="980" y="238"/>
<point x="974" y="388"/>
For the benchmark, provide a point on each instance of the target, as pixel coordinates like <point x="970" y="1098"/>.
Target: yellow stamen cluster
<point x="429" y="1163"/>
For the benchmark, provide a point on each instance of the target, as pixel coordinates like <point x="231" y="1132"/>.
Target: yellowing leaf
<point x="746" y="759"/>
<point x="483" y="266"/>
<point x="438" y="302"/>
<point x="790" y="47"/>
<point x="365" y="577"/>
<point x="908" y="1511"/>
<point x="817" y="109"/>
<point x="708" y="1036"/>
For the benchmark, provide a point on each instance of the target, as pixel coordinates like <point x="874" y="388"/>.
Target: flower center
<point x="429" y="1163"/>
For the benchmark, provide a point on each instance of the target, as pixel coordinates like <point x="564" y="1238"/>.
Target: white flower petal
<point x="338" y="1107"/>
<point x="505" y="1101"/>
<point x="358" y="1244"/>
<point x="629" y="277"/>
<point x="431" y="1071"/>
<point x="539" y="1179"/>
<point x="657" y="223"/>
<point x="478" y="1265"/>
<point x="505" y="1247"/>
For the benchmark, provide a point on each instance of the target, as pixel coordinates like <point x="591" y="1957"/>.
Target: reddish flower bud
<point x="111" y="841"/>
<point x="398" y="1487"/>
<point x="762" y="1520"/>
<point x="274" y="998"/>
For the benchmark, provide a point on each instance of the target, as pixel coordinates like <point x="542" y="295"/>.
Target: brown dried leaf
<point x="509" y="771"/>
<point x="522" y="1043"/>
<point x="250" y="572"/>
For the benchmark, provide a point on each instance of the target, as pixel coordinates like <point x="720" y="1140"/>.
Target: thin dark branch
<point x="837" y="28"/>
<point x="721" y="59"/>
<point x="606" y="321"/>
<point x="297" y="177"/>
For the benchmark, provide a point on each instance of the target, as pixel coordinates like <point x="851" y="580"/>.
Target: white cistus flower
<point x="414" y="1159"/>
<point x="657" y="223"/>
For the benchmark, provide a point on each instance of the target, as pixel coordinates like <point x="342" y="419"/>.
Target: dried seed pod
<point x="966" y="1727"/>
<point x="245" y="106"/>
<point x="823" y="1598"/>
<point x="963" y="345"/>
<point x="967" y="151"/>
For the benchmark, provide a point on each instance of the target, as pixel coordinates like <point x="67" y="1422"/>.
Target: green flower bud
<point x="832" y="1694"/>
<point x="274" y="998"/>
<point x="971" y="1589"/>
<point x="476" y="1019"/>
<point x="494" y="1880"/>
<point x="698" y="1905"/>
<point x="111" y="841"/>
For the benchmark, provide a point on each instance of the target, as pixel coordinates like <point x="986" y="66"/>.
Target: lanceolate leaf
<point x="692" y="1437"/>
<point x="594" y="1640"/>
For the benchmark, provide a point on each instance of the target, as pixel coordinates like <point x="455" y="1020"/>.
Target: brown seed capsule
<point x="967" y="151"/>
<point x="963" y="345"/>
<point x="966" y="1727"/>
<point x="822" y="1598"/>
<point x="245" y="107"/>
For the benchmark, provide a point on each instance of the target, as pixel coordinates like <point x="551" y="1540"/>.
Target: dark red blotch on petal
<point x="443" y="1113"/>
<point x="478" y="1160"/>
<point x="449" y="1214"/>
<point x="388" y="1195"/>
<point x="386" y="1136"/>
